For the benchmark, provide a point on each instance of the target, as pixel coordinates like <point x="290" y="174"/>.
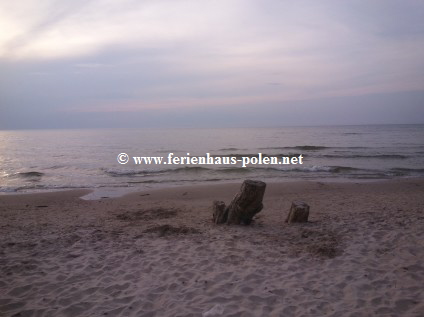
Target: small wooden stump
<point x="299" y="212"/>
<point x="247" y="203"/>
<point x="220" y="214"/>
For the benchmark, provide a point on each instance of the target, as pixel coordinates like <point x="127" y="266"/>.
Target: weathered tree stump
<point x="247" y="203"/>
<point x="220" y="214"/>
<point x="299" y="212"/>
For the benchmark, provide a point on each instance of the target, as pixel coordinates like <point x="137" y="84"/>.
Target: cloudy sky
<point x="190" y="63"/>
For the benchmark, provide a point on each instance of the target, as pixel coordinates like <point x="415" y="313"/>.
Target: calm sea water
<point x="59" y="159"/>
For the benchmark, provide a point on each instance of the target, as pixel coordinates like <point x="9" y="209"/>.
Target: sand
<point x="157" y="253"/>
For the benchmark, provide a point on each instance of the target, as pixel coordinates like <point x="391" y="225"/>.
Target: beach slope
<point x="157" y="253"/>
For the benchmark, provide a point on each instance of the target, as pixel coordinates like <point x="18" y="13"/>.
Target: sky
<point x="216" y="63"/>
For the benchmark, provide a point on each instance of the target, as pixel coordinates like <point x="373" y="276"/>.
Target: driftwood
<point x="247" y="203"/>
<point x="220" y="213"/>
<point x="244" y="206"/>
<point x="299" y="212"/>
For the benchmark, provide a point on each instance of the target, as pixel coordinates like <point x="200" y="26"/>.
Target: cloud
<point x="127" y="56"/>
<point x="56" y="29"/>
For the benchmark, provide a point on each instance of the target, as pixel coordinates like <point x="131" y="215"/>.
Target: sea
<point x="49" y="160"/>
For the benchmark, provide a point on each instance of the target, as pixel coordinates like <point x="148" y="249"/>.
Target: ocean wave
<point x="298" y="147"/>
<point x="235" y="169"/>
<point x="54" y="167"/>
<point x="31" y="176"/>
<point x="36" y="187"/>
<point x="179" y="181"/>
<point x="420" y="170"/>
<point x="129" y="173"/>
<point x="402" y="171"/>
<point x="345" y="169"/>
<point x="231" y="149"/>
<point x="376" y="156"/>
<point x="189" y="169"/>
<point x="319" y="169"/>
<point x="303" y="169"/>
<point x="8" y="189"/>
<point x="310" y="147"/>
<point x="148" y="181"/>
<point x="123" y="173"/>
<point x="241" y="155"/>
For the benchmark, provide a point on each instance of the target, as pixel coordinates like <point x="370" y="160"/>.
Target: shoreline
<point x="157" y="253"/>
<point x="96" y="193"/>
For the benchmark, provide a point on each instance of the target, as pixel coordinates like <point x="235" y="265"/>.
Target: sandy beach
<point x="157" y="253"/>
